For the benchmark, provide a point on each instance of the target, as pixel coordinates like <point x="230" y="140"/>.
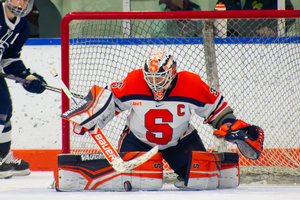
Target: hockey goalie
<point x="161" y="101"/>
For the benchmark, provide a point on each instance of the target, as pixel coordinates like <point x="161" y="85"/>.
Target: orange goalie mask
<point x="159" y="71"/>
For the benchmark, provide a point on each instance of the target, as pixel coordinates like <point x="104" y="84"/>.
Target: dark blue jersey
<point x="13" y="35"/>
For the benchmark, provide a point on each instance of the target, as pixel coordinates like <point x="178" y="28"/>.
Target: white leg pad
<point x="203" y="171"/>
<point x="71" y="181"/>
<point x="229" y="178"/>
<point x="75" y="173"/>
<point x="230" y="173"/>
<point x="204" y="183"/>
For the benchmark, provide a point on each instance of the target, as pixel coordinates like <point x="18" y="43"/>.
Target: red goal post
<point x="258" y="74"/>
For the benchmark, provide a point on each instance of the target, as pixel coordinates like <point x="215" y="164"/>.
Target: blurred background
<point x="46" y="15"/>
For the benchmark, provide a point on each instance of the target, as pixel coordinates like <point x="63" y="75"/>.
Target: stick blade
<point x="120" y="166"/>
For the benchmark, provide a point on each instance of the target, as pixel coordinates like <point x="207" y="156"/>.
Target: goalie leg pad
<point x="96" y="108"/>
<point x="203" y="171"/>
<point x="230" y="173"/>
<point x="93" y="172"/>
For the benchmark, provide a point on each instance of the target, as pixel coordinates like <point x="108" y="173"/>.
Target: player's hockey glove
<point x="249" y="139"/>
<point x="37" y="84"/>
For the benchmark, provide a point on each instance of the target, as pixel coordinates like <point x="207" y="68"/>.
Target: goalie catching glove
<point x="249" y="139"/>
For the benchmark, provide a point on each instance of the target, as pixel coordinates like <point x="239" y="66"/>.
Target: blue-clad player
<point x="14" y="32"/>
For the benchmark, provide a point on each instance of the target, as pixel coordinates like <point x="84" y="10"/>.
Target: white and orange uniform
<point x="164" y="122"/>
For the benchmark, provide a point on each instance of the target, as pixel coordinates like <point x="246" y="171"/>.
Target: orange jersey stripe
<point x="134" y="84"/>
<point x="190" y="85"/>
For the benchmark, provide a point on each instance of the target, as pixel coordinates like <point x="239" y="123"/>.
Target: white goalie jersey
<point x="154" y="122"/>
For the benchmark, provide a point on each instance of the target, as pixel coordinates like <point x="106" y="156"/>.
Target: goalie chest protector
<point x="93" y="172"/>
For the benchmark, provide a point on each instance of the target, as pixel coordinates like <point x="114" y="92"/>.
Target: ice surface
<point x="36" y="186"/>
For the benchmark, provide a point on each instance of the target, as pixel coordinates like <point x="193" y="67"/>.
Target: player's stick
<point x="62" y="85"/>
<point x="107" y="149"/>
<point x="21" y="80"/>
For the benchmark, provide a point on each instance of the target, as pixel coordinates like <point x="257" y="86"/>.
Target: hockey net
<point x="256" y="69"/>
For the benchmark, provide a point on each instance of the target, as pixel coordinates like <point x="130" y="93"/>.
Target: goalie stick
<point x="107" y="149"/>
<point x="22" y="80"/>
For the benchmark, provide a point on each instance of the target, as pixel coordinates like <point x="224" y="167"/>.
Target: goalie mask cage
<point x="259" y="75"/>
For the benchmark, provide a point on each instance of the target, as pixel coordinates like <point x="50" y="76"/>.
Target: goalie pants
<point x="176" y="156"/>
<point x="5" y="115"/>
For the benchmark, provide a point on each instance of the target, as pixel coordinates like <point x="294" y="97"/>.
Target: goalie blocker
<point x="96" y="108"/>
<point x="93" y="172"/>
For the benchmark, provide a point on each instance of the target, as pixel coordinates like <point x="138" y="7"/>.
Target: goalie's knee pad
<point x="230" y="173"/>
<point x="93" y="172"/>
<point x="203" y="171"/>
